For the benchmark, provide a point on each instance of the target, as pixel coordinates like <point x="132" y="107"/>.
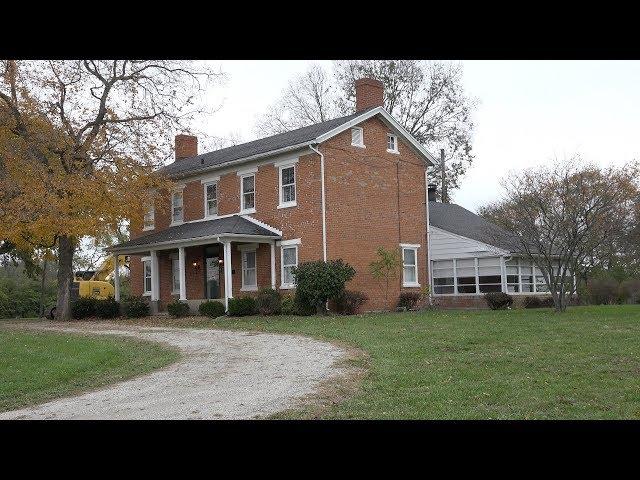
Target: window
<point x="443" y="282"/>
<point x="177" y="213"/>
<point x="146" y="266"/>
<point x="357" y="137"/>
<point x="466" y="275"/>
<point x="249" y="276"/>
<point x="410" y="266"/>
<point x="248" y="190"/>
<point x="149" y="218"/>
<point x="392" y="143"/>
<point x="175" y="275"/>
<point x="210" y="199"/>
<point x="287" y="186"/>
<point x="289" y="260"/>
<point x="523" y="277"/>
<point x="489" y="274"/>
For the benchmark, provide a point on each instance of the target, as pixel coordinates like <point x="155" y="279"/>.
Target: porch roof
<point x="199" y="232"/>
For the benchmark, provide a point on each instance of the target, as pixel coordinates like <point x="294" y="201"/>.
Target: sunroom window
<point x="442" y="271"/>
<point x="466" y="275"/>
<point x="489" y="275"/>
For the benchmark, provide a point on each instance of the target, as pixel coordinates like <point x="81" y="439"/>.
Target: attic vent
<point x="356" y="137"/>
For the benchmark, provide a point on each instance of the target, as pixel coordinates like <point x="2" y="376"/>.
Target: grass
<point x="36" y="367"/>
<point x="517" y="364"/>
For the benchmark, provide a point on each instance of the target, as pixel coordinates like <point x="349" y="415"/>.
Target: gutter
<point x="429" y="273"/>
<point x="324" y="210"/>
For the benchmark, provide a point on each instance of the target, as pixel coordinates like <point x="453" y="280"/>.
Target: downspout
<point x="324" y="213"/>
<point x="426" y="192"/>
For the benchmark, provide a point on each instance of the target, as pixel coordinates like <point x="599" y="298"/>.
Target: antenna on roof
<point x="444" y="197"/>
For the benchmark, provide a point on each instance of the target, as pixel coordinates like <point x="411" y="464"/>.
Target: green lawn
<point x="518" y="364"/>
<point x="35" y="367"/>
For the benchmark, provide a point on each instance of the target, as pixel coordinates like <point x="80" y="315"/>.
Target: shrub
<point x="178" y="308"/>
<point x="630" y="290"/>
<point x="317" y="282"/>
<point x="303" y="306"/>
<point x="135" y="307"/>
<point x="211" y="309"/>
<point x="498" y="300"/>
<point x="603" y="290"/>
<point x="408" y="300"/>
<point x="242" y="306"/>
<point x="269" y="301"/>
<point x="349" y="302"/>
<point x="288" y="305"/>
<point x="83" y="307"/>
<point x="107" y="308"/>
<point x="537" y="302"/>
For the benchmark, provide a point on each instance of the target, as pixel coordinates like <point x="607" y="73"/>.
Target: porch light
<point x="220" y="261"/>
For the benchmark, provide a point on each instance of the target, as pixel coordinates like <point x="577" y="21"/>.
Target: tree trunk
<point x="42" y="283"/>
<point x="66" y="248"/>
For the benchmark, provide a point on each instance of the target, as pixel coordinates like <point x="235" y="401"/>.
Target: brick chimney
<point x="186" y="146"/>
<point x="369" y="93"/>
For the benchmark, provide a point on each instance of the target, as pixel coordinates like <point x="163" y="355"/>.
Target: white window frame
<point x="244" y="210"/>
<point x="244" y="249"/>
<point x="206" y="202"/>
<point x="361" y="144"/>
<point x="145" y="292"/>
<point x="294" y="202"/>
<point x="151" y="212"/>
<point x="175" y="271"/>
<point x="395" y="143"/>
<point x="295" y="243"/>
<point x="179" y="190"/>
<point x="414" y="247"/>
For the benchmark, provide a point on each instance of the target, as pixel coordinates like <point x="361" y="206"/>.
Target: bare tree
<point x="309" y="98"/>
<point x="90" y="134"/>
<point x="560" y="215"/>
<point x="427" y="98"/>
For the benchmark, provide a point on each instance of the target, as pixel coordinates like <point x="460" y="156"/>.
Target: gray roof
<point x="456" y="219"/>
<point x="234" y="225"/>
<point x="257" y="147"/>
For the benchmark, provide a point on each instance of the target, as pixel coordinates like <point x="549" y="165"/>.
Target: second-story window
<point x="211" y="199"/>
<point x="248" y="193"/>
<point x="287" y="186"/>
<point x="392" y="143"/>
<point x="149" y="218"/>
<point x="177" y="210"/>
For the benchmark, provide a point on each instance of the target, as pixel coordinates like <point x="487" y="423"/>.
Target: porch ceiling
<point x="235" y="228"/>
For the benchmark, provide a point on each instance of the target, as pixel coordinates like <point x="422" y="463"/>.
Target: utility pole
<point x="444" y="198"/>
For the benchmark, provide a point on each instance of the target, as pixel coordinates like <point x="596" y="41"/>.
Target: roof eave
<point x="258" y="156"/>
<point x="387" y="116"/>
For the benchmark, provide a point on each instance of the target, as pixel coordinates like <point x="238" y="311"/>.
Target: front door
<point x="212" y="277"/>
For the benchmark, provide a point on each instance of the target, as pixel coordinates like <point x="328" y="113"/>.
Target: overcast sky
<point x="530" y="112"/>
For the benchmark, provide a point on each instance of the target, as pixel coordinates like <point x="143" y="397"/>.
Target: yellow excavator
<point x="93" y="283"/>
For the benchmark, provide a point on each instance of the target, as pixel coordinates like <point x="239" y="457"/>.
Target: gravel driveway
<point x="223" y="375"/>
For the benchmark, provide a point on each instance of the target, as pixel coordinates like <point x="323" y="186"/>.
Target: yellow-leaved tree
<point x="80" y="144"/>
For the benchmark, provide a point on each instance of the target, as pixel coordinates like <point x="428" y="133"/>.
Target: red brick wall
<point x="374" y="198"/>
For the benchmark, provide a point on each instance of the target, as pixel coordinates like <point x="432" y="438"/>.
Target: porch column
<point x="116" y="277"/>
<point x="182" y="273"/>
<point x="503" y="274"/>
<point x="228" y="286"/>
<point x="155" y="277"/>
<point x="273" y="265"/>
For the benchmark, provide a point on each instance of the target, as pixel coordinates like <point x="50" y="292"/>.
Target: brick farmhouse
<point x="240" y="218"/>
